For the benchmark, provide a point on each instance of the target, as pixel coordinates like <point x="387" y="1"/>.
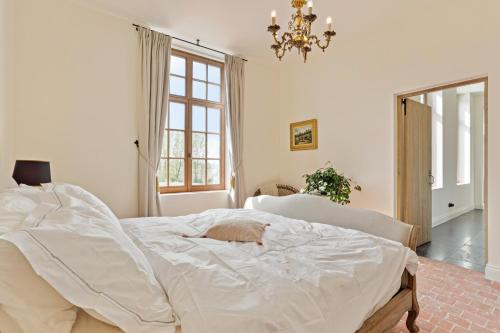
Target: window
<point x="435" y="101"/>
<point x="193" y="145"/>
<point x="464" y="140"/>
<point x="418" y="98"/>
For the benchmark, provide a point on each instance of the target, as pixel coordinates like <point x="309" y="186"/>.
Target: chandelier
<point x="299" y="34"/>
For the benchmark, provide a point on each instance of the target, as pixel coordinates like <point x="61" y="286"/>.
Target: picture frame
<point x="304" y="135"/>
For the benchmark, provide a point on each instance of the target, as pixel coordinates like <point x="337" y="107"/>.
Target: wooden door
<point x="416" y="168"/>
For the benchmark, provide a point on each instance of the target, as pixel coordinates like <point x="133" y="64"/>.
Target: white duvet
<point x="307" y="277"/>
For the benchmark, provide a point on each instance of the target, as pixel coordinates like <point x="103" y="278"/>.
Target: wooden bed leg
<point x="411" y="321"/>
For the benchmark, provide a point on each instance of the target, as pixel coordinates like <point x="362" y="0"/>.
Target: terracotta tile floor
<point x="454" y="299"/>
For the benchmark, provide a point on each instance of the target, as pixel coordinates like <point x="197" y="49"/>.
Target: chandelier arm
<point x="286" y="44"/>
<point x="280" y="53"/>
<point x="323" y="47"/>
<point x="275" y="37"/>
<point x="287" y="37"/>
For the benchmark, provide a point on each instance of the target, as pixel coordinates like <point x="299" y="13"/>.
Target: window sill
<point x="194" y="193"/>
<point x="462" y="184"/>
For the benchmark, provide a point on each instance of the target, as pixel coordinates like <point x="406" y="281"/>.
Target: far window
<point x="193" y="145"/>
<point x="435" y="101"/>
<point x="464" y="140"/>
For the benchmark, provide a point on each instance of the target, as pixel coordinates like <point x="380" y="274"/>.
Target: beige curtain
<point x="235" y="91"/>
<point x="155" y="68"/>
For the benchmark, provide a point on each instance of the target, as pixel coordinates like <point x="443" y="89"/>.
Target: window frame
<point x="437" y="137"/>
<point x="464" y="130"/>
<point x="189" y="102"/>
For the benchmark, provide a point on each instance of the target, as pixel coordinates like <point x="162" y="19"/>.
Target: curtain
<point x="235" y="89"/>
<point x="155" y="51"/>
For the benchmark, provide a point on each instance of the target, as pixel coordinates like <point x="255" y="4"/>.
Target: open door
<point x="415" y="166"/>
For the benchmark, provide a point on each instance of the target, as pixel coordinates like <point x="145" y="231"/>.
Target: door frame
<point x="399" y="149"/>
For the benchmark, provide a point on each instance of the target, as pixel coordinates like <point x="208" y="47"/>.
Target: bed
<point x="330" y="270"/>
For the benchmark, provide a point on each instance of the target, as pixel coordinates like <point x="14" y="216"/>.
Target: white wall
<point x="463" y="196"/>
<point x="76" y="101"/>
<point x="4" y="92"/>
<point x="76" y="97"/>
<point x="351" y="88"/>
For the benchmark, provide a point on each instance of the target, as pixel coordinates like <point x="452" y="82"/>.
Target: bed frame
<point x="404" y="301"/>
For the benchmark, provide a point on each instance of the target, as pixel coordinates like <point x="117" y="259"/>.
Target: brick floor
<point x="454" y="299"/>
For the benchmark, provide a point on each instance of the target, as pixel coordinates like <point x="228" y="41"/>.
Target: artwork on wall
<point x="304" y="135"/>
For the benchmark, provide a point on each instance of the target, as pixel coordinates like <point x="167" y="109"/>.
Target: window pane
<point x="213" y="120"/>
<point x="199" y="71"/>
<point x="435" y="100"/>
<point x="214" y="93"/>
<point x="177" y="86"/>
<point x="162" y="172"/>
<point x="198" y="172"/>
<point x="464" y="149"/>
<point x="213" y="145"/>
<point x="199" y="90"/>
<point x="177" y="116"/>
<point x="164" y="147"/>
<point x="199" y="118"/>
<point x="176" y="172"/>
<point x="214" y="74"/>
<point x="419" y="98"/>
<point x="178" y="66"/>
<point x="213" y="172"/>
<point x="176" y="144"/>
<point x="198" y="145"/>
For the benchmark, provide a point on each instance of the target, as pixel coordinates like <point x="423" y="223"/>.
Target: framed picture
<point x="304" y="135"/>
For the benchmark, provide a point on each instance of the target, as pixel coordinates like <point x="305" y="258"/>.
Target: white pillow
<point x="7" y="323"/>
<point x="88" y="324"/>
<point x="28" y="299"/>
<point x="77" y="194"/>
<point x="94" y="314"/>
<point x="77" y="245"/>
<point x="318" y="209"/>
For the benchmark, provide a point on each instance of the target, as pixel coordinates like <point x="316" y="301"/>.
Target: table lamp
<point x="32" y="173"/>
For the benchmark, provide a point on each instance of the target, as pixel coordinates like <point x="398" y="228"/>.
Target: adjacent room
<point x="249" y="166"/>
<point x="457" y="176"/>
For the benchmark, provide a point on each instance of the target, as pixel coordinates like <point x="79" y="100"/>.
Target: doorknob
<point x="431" y="178"/>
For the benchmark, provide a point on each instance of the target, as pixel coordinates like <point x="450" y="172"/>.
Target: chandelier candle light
<point x="299" y="34"/>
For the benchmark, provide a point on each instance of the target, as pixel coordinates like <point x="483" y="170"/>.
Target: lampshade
<point x="32" y="173"/>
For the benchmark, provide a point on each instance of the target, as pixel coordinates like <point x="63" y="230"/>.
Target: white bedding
<point x="307" y="277"/>
<point x="74" y="242"/>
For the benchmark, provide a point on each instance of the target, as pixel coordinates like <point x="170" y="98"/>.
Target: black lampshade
<point x="32" y="173"/>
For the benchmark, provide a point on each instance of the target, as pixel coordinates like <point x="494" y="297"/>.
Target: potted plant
<point x="330" y="183"/>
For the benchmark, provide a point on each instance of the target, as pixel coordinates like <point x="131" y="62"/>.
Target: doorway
<point x="441" y="164"/>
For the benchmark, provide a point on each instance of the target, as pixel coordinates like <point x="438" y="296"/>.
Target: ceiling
<point x="240" y="27"/>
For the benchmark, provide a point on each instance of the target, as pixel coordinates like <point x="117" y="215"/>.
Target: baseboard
<point x="492" y="273"/>
<point x="446" y="217"/>
<point x="479" y="206"/>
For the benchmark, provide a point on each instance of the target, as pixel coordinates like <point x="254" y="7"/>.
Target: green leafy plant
<point x="330" y="183"/>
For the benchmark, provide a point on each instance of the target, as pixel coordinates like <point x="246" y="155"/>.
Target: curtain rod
<point x="188" y="42"/>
